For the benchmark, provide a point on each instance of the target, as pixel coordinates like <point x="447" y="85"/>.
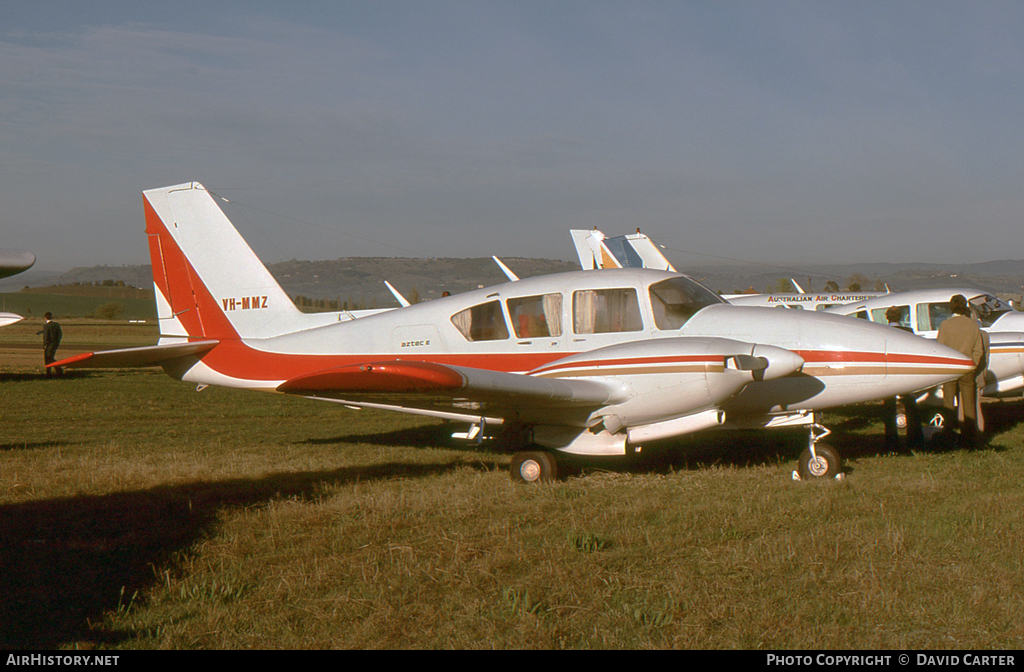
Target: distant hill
<point x="1002" y="277"/>
<point x="360" y="280"/>
<point x="354" y="280"/>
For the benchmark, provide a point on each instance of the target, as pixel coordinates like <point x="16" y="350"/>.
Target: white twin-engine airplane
<point x="585" y="363"/>
<point x="923" y="310"/>
<point x="13" y="262"/>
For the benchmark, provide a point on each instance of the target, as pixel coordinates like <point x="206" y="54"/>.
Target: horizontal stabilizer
<point x="410" y="377"/>
<point x="150" y="355"/>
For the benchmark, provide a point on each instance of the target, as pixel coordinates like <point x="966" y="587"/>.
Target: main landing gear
<point x="818" y="460"/>
<point x="534" y="466"/>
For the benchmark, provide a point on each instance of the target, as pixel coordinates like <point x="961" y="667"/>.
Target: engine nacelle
<point x="673" y="378"/>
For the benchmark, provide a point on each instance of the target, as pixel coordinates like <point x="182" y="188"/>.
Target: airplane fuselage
<point x="846" y="361"/>
<point x="923" y="310"/>
<point x="590" y="362"/>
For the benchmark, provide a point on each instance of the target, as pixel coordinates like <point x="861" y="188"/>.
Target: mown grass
<point x="63" y="305"/>
<point x="138" y="513"/>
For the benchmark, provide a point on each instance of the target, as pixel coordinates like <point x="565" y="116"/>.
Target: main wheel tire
<point x="827" y="464"/>
<point x="535" y="466"/>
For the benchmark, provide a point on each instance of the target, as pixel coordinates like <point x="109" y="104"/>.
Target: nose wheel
<point x="818" y="460"/>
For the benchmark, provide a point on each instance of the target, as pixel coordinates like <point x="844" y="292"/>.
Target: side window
<point x="484" y="322"/>
<point x="604" y="311"/>
<point x="988" y="309"/>
<point x="879" y="315"/>
<point x="931" y="315"/>
<point x="675" y="300"/>
<point x="536" y="316"/>
<point x="861" y="315"/>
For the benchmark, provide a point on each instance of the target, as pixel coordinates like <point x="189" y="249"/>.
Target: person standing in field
<point x="51" y="341"/>
<point x="963" y="334"/>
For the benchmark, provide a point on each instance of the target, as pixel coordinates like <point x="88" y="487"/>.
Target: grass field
<point x="136" y="512"/>
<point x="35" y="304"/>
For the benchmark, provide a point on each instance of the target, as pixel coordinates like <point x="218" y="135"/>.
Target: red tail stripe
<point x="178" y="281"/>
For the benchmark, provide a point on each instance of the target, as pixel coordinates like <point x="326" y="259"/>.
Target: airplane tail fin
<point x="208" y="281"/>
<point x="633" y="250"/>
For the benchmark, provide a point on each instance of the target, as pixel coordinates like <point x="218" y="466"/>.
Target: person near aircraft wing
<point x="52" y="336"/>
<point x="962" y="333"/>
<point x="595" y="363"/>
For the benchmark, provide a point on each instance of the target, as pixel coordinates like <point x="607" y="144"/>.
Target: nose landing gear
<point x="818" y="460"/>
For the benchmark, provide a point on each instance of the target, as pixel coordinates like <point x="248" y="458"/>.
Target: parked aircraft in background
<point x="13" y="262"/>
<point x="633" y="250"/>
<point x="636" y="250"/>
<point x="923" y="310"/>
<point x="582" y="363"/>
<point x="801" y="301"/>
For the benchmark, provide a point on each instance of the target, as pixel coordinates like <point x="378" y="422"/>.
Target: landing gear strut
<point x="818" y="460"/>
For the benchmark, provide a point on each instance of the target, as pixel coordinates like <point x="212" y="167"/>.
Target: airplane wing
<point x="9" y="318"/>
<point x="402" y="301"/>
<point x="512" y="277"/>
<point x="150" y="355"/>
<point x="626" y="385"/>
<point x="13" y="262"/>
<point x="433" y="385"/>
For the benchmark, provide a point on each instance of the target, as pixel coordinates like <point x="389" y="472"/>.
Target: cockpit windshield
<point x="675" y="300"/>
<point x="989" y="308"/>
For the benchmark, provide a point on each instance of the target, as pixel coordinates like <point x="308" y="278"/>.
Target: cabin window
<point x="675" y="300"/>
<point x="484" y="322"/>
<point x="604" y="311"/>
<point x="931" y="315"/>
<point x="879" y="315"/>
<point x="988" y="308"/>
<point x="536" y="316"/>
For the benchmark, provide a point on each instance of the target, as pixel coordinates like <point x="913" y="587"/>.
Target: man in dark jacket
<point x="51" y="341"/>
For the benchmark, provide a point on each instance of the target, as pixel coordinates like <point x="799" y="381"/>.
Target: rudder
<point x="208" y="281"/>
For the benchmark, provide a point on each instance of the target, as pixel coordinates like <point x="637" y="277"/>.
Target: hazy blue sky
<point x="782" y="132"/>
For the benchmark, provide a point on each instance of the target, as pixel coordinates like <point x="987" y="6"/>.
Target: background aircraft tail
<point x="208" y="281"/>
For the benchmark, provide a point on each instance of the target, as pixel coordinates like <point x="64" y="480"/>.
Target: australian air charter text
<point x="920" y="659"/>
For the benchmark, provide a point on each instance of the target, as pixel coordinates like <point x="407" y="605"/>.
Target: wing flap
<point x="149" y="355"/>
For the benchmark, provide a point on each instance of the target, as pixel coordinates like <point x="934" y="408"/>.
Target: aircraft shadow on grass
<point x="713" y="448"/>
<point x="66" y="562"/>
<point x="25" y="445"/>
<point x="999" y="417"/>
<point x="430" y="435"/>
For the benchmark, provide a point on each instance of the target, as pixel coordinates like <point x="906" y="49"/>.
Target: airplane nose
<point x="781" y="362"/>
<point x="911" y="356"/>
